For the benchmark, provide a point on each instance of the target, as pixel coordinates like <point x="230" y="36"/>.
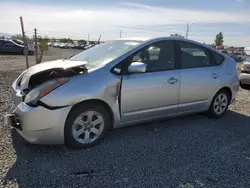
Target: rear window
<point x="217" y="58"/>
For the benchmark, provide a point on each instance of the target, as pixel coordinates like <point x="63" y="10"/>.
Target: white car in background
<point x="245" y="74"/>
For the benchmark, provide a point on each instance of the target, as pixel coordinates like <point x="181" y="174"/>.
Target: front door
<point x="200" y="77"/>
<point x="155" y="92"/>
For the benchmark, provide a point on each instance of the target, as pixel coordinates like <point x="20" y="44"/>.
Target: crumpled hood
<point x="58" y="64"/>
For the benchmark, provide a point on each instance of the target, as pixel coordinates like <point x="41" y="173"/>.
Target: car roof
<point x="144" y="39"/>
<point x="148" y="39"/>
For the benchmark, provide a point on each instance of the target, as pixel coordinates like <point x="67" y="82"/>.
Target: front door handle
<point x="172" y="80"/>
<point x="215" y="75"/>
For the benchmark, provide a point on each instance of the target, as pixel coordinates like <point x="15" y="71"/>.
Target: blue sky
<point x="78" y="18"/>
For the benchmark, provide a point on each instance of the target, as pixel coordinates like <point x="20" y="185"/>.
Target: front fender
<point x="103" y="86"/>
<point x="98" y="84"/>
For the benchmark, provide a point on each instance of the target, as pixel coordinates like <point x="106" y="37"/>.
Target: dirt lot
<point x="186" y="152"/>
<point x="15" y="62"/>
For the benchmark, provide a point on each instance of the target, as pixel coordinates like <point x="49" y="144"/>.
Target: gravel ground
<point x="186" y="152"/>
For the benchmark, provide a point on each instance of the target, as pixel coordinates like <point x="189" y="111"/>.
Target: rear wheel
<point x="219" y="104"/>
<point x="86" y="126"/>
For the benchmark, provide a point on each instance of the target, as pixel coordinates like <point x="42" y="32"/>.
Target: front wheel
<point x="219" y="104"/>
<point x="86" y="126"/>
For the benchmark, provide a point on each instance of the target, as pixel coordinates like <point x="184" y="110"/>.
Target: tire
<point x="84" y="121"/>
<point x="219" y="104"/>
<point x="244" y="86"/>
<point x="30" y="53"/>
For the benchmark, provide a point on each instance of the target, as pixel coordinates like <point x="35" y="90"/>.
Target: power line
<point x="28" y="31"/>
<point x="62" y="32"/>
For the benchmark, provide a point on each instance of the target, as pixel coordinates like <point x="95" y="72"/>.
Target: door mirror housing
<point x="137" y="67"/>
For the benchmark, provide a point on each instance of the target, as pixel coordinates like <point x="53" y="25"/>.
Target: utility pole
<point x="88" y="37"/>
<point x="36" y="47"/>
<point x="120" y="33"/>
<point x="25" y="43"/>
<point x="188" y="29"/>
<point x="98" y="42"/>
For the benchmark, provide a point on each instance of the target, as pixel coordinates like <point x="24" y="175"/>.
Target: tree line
<point x="61" y="40"/>
<point x="219" y="39"/>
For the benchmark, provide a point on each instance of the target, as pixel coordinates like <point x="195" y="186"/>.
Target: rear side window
<point x="217" y="58"/>
<point x="9" y="44"/>
<point x="193" y="55"/>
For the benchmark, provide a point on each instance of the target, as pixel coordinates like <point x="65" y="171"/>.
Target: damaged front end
<point x="41" y="79"/>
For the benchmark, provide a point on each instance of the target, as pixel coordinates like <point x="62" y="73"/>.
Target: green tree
<point x="19" y="37"/>
<point x="92" y="42"/>
<point x="66" y="40"/>
<point x="52" y="40"/>
<point x="82" y="42"/>
<point x="219" y="39"/>
<point x="212" y="45"/>
<point x="176" y="35"/>
<point x="42" y="46"/>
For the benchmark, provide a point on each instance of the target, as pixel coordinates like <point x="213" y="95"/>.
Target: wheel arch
<point x="95" y="102"/>
<point x="228" y="90"/>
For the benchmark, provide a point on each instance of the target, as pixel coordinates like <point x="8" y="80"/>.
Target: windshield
<point x="106" y="52"/>
<point x="18" y="42"/>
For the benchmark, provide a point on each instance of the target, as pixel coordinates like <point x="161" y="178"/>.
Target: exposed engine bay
<point x="46" y="75"/>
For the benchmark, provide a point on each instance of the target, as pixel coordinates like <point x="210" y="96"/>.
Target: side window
<point x="154" y="52"/>
<point x="217" y="58"/>
<point x="193" y="55"/>
<point x="158" y="56"/>
<point x="8" y="44"/>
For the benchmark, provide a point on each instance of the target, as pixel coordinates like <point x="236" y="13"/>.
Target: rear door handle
<point x="215" y="75"/>
<point x="172" y="80"/>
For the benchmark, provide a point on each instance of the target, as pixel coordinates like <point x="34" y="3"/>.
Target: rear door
<point x="155" y="92"/>
<point x="200" y="77"/>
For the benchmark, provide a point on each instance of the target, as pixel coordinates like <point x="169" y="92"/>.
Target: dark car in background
<point x="236" y="56"/>
<point x="9" y="46"/>
<point x="20" y="42"/>
<point x="13" y="47"/>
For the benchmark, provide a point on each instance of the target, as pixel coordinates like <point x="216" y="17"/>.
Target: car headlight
<point x="37" y="93"/>
<point x="243" y="67"/>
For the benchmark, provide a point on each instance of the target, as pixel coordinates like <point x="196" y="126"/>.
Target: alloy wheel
<point x="220" y="103"/>
<point x="87" y="127"/>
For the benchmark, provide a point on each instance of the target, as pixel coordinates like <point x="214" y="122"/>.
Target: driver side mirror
<point x="137" y="67"/>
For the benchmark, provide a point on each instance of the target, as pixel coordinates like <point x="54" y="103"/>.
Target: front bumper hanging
<point x="12" y="120"/>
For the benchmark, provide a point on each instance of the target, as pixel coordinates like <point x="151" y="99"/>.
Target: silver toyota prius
<point x="75" y="101"/>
